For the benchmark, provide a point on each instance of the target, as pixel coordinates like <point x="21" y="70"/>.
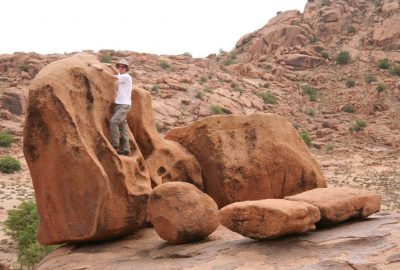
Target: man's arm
<point x="113" y="68"/>
<point x="106" y="72"/>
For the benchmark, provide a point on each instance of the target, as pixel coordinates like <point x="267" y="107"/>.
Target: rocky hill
<point x="289" y="67"/>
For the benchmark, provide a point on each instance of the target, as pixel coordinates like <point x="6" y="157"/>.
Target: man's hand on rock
<point x="98" y="67"/>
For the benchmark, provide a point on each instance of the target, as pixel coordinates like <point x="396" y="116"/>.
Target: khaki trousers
<point x="119" y="127"/>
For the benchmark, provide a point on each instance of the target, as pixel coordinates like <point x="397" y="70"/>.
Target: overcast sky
<point x="200" y="27"/>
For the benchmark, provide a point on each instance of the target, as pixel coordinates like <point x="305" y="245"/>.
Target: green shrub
<point x="199" y="94"/>
<point x="384" y="63"/>
<point x="380" y="88"/>
<point x="325" y="55"/>
<point x="349" y="108"/>
<point x="22" y="67"/>
<point x="239" y="89"/>
<point x="208" y="90"/>
<point x="266" y="85"/>
<point x="306" y="138"/>
<point x="235" y="87"/>
<point x="9" y="165"/>
<point x="203" y="80"/>
<point x="395" y="70"/>
<point x="343" y="58"/>
<point x="164" y="65"/>
<point x="329" y="147"/>
<point x="6" y="139"/>
<point x="350" y="83"/>
<point x="310" y="112"/>
<point x="22" y="224"/>
<point x="378" y="3"/>
<point x="326" y="2"/>
<point x="231" y="59"/>
<point x="313" y="39"/>
<point x="311" y="92"/>
<point x="359" y="125"/>
<point x="158" y="127"/>
<point x="105" y="58"/>
<point x="268" y="97"/>
<point x="154" y="88"/>
<point x="351" y="29"/>
<point x="369" y="78"/>
<point x="216" y="109"/>
<point x="188" y="54"/>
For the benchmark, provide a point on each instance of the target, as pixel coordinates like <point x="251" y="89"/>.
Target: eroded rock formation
<point x="252" y="157"/>
<point x="167" y="160"/>
<point x="84" y="190"/>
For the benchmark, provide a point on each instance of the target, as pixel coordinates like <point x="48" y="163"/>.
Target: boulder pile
<point x="272" y="218"/>
<point x="250" y="166"/>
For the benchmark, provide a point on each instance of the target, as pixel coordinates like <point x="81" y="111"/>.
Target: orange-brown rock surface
<point x="167" y="160"/>
<point x="369" y="244"/>
<point x="268" y="219"/>
<point x="182" y="213"/>
<point x="338" y="204"/>
<point x="250" y="157"/>
<point x="84" y="190"/>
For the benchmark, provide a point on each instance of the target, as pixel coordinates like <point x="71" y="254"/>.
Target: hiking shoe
<point x="123" y="152"/>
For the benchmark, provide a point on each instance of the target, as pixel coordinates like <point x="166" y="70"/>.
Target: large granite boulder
<point x="252" y="157"/>
<point x="181" y="213"/>
<point x="268" y="219"/>
<point x="167" y="160"/>
<point x="84" y="190"/>
<point x="338" y="204"/>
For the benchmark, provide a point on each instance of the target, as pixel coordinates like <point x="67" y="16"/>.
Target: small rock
<point x="181" y="213"/>
<point x="270" y="218"/>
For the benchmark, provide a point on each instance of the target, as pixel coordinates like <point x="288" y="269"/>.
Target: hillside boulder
<point x="84" y="190"/>
<point x="14" y="100"/>
<point x="268" y="219"/>
<point x="385" y="35"/>
<point x="167" y="160"/>
<point x="338" y="204"/>
<point x="253" y="157"/>
<point x="181" y="213"/>
<point x="303" y="61"/>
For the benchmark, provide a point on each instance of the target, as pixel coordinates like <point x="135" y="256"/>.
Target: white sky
<point x="200" y="27"/>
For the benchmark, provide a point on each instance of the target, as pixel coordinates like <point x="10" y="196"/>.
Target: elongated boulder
<point x="181" y="213"/>
<point x="303" y="61"/>
<point x="338" y="204"/>
<point x="84" y="190"/>
<point x="270" y="218"/>
<point x="259" y="156"/>
<point x="168" y="161"/>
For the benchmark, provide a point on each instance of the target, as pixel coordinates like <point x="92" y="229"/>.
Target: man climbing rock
<point x="118" y="124"/>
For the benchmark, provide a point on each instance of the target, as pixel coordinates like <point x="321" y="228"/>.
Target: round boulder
<point x="181" y="213"/>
